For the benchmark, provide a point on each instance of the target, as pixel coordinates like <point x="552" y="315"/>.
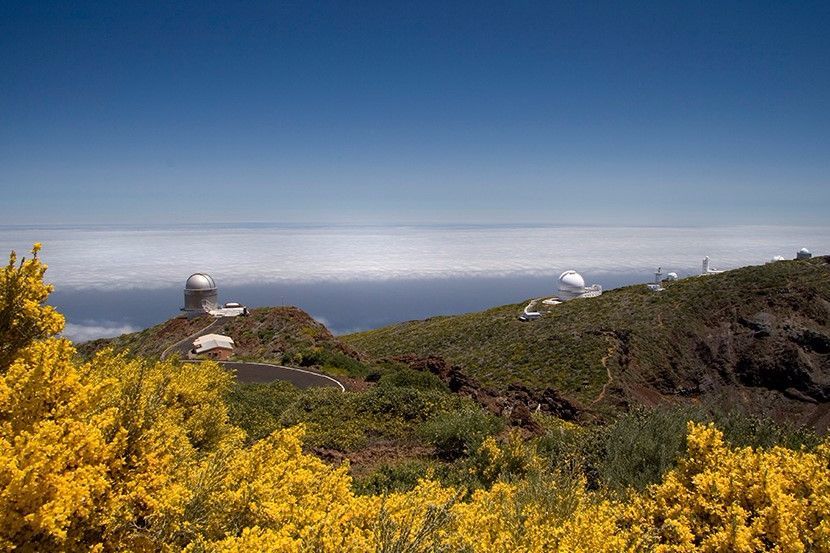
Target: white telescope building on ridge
<point x="572" y="286"/>
<point x="706" y="269"/>
<point x="200" y="295"/>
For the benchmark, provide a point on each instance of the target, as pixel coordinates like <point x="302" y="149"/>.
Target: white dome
<point x="777" y="258"/>
<point x="671" y="276"/>
<point x="571" y="281"/>
<point x="200" y="281"/>
<point x="803" y="250"/>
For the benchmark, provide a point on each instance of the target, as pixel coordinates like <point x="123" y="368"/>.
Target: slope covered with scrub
<point x="279" y="334"/>
<point x="756" y="334"/>
<point x="121" y="453"/>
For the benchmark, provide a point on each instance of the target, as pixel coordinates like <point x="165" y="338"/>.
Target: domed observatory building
<point x="572" y="286"/>
<point x="200" y="295"/>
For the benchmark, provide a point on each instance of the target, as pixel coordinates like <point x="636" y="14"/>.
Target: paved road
<point x="265" y="372"/>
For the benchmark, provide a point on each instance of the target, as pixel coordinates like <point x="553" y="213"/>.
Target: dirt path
<point x="611" y="349"/>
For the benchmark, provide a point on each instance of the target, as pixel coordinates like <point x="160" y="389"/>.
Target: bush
<point x="741" y="429"/>
<point x="461" y="432"/>
<point x="641" y="446"/>
<point x="389" y="478"/>
<point x="411" y="378"/>
<point x="334" y="361"/>
<point x="409" y="404"/>
<point x="331" y="419"/>
<point x="256" y="408"/>
<point x="565" y="445"/>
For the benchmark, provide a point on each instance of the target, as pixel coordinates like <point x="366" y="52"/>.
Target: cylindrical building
<point x="200" y="294"/>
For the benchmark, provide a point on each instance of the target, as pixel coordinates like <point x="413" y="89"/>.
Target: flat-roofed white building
<point x="214" y="346"/>
<point x="231" y="309"/>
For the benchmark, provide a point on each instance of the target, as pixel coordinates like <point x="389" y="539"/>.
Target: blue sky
<point x="597" y="113"/>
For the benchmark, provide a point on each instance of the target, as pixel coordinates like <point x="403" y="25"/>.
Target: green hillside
<point x="750" y="332"/>
<point x="278" y="334"/>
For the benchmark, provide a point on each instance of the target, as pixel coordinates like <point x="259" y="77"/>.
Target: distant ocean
<point x="114" y="279"/>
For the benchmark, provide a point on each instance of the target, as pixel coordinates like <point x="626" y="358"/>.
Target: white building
<point x="803" y="253"/>
<point x="657" y="285"/>
<point x="200" y="294"/>
<point x="215" y="346"/>
<point x="572" y="286"/>
<point x="231" y="309"/>
<point x="706" y="269"/>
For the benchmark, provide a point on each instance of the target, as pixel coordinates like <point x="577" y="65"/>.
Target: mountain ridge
<point x="757" y="336"/>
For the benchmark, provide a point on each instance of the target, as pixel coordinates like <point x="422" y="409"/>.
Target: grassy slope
<point x="390" y="431"/>
<point x="645" y="339"/>
<point x="278" y="334"/>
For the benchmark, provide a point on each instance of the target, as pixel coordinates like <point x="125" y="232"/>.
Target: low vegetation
<point x="124" y="453"/>
<point x="742" y="333"/>
<point x="282" y="335"/>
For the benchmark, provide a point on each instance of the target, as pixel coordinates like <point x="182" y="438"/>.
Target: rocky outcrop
<point x="517" y="402"/>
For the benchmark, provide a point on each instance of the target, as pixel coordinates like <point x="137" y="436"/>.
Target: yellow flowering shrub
<point x="101" y="453"/>
<point x="537" y="515"/>
<point x="56" y="451"/>
<point x="723" y="499"/>
<point x="23" y="315"/>
<point x="274" y="485"/>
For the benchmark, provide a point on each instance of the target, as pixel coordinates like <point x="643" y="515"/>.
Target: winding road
<point x="250" y="372"/>
<point x="266" y="372"/>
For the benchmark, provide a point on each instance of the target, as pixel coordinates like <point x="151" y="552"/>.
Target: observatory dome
<point x="200" y="281"/>
<point x="200" y="294"/>
<point x="571" y="281"/>
<point x="803" y="253"/>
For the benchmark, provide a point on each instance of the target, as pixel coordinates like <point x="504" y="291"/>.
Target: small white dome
<point x="777" y="258"/>
<point x="200" y="281"/>
<point x="803" y="250"/>
<point x="571" y="281"/>
<point x="671" y="276"/>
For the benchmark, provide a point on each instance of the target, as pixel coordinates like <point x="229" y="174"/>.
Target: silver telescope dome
<point x="200" y="281"/>
<point x="200" y="294"/>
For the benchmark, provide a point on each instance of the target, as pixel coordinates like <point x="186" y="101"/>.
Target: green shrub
<point x="256" y="408"/>
<point x="742" y="429"/>
<point x="411" y="378"/>
<point x="640" y="447"/>
<point x="459" y="433"/>
<point x="389" y="478"/>
<point x="409" y="404"/>
<point x="334" y="361"/>
<point x="566" y="446"/>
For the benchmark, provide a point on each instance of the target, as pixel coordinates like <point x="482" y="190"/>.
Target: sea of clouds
<point x="90" y="330"/>
<point x="112" y="280"/>
<point x="146" y="258"/>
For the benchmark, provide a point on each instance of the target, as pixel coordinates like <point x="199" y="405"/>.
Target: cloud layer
<point x="112" y="258"/>
<point x="90" y="330"/>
